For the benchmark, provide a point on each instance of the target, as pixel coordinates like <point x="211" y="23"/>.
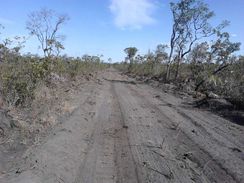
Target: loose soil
<point x="126" y="132"/>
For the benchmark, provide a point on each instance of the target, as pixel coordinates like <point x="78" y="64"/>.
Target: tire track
<point x="109" y="157"/>
<point x="219" y="165"/>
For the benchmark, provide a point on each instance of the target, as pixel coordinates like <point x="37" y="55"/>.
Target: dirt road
<point x="123" y="132"/>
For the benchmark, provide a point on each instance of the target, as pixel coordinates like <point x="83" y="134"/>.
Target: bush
<point x="20" y="75"/>
<point x="19" y="79"/>
<point x="73" y="67"/>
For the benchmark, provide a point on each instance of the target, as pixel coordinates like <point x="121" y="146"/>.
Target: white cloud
<point x="5" y="21"/>
<point x="234" y="35"/>
<point x="132" y="14"/>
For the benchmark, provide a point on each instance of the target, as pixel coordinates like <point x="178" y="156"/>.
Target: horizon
<point x="106" y="28"/>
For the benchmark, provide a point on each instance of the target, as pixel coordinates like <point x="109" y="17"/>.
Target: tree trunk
<point x="179" y="61"/>
<point x="169" y="64"/>
<point x="177" y="68"/>
<point x="168" y="71"/>
<point x="130" y="66"/>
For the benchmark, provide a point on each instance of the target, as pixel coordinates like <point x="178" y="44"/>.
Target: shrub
<point x="19" y="79"/>
<point x="20" y="75"/>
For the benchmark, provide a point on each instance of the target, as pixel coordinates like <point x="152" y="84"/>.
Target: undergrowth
<point x="20" y="75"/>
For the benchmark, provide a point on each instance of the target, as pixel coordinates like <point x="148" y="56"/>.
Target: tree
<point x="161" y="53"/>
<point x="110" y="60"/>
<point x="45" y="25"/>
<point x="150" y="60"/>
<point x="86" y="58"/>
<point x="219" y="53"/>
<point x="198" y="59"/>
<point x="10" y="48"/>
<point x="190" y="24"/>
<point x="139" y="59"/>
<point x="131" y="52"/>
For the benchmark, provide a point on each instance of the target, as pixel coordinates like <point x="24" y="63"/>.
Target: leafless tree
<point x="45" y="25"/>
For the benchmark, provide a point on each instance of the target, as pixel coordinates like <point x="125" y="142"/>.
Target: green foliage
<point x="190" y="24"/>
<point x="73" y="67"/>
<point x="232" y="86"/>
<point x="147" y="65"/>
<point x="17" y="83"/>
<point x="131" y="53"/>
<point x="210" y="66"/>
<point x="208" y="60"/>
<point x="20" y="76"/>
<point x="19" y="79"/>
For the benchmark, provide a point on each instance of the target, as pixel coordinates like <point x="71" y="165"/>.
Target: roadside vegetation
<point x="98" y="120"/>
<point x="201" y="58"/>
<point x="21" y="74"/>
<point x="35" y="90"/>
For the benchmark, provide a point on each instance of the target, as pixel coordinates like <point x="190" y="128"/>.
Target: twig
<point x="205" y="166"/>
<point x="168" y="176"/>
<point x="161" y="155"/>
<point x="143" y="145"/>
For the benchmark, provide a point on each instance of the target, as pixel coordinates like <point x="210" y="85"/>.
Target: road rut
<point x="133" y="133"/>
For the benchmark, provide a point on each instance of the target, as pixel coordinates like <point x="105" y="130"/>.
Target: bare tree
<point x="45" y="25"/>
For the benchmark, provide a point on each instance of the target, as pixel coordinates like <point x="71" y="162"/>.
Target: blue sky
<point x="108" y="26"/>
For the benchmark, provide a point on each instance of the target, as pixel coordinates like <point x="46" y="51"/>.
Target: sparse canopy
<point x="45" y="25"/>
<point x="10" y="47"/>
<point x="161" y="53"/>
<point x="219" y="52"/>
<point x="131" y="52"/>
<point x="190" y="24"/>
<point x="110" y="60"/>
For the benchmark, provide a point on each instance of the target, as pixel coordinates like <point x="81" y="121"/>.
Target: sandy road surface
<point x="124" y="132"/>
